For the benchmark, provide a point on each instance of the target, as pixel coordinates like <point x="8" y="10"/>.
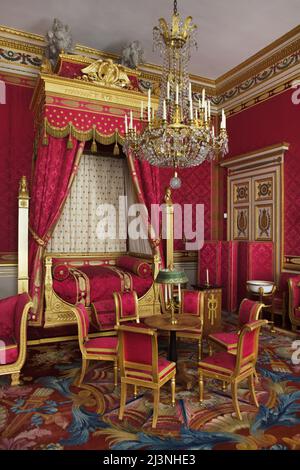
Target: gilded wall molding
<point x="263" y="75"/>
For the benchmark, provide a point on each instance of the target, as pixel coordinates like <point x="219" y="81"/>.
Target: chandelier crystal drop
<point x="181" y="133"/>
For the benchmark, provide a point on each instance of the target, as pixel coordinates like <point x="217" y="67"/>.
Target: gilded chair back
<point x="294" y="300"/>
<point x="138" y="352"/>
<point x="249" y="311"/>
<point x="247" y="349"/>
<point x="126" y="304"/>
<point x="83" y="325"/>
<point x="191" y="302"/>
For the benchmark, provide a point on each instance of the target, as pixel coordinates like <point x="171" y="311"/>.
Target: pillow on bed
<point x="135" y="265"/>
<point x="61" y="272"/>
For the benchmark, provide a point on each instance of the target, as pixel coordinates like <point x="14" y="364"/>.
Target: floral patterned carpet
<point x="49" y="412"/>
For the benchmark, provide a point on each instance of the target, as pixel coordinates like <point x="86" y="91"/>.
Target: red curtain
<point x="55" y="168"/>
<point x="146" y="181"/>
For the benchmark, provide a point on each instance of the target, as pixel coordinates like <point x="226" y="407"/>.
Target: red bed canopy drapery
<point x="69" y="112"/>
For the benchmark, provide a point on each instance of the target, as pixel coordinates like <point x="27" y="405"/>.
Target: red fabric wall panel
<point x="229" y="260"/>
<point x="16" y="144"/>
<point x="209" y="257"/>
<point x="195" y="189"/>
<point x="271" y="122"/>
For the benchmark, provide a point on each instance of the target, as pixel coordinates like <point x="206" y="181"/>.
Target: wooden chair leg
<point x="155" y="407"/>
<point x="173" y="389"/>
<point x="235" y="400"/>
<point x="135" y="391"/>
<point x="84" y="368"/>
<point x="201" y="387"/>
<point x="224" y="386"/>
<point x="252" y="389"/>
<point x="15" y="379"/>
<point x="123" y="399"/>
<point x="115" y="373"/>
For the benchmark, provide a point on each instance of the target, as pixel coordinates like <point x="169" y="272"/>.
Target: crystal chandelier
<point x="180" y="134"/>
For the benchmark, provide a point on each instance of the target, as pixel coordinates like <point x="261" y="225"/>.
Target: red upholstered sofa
<point x="13" y="334"/>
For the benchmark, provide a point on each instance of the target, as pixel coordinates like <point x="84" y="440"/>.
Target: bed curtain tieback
<point x="39" y="240"/>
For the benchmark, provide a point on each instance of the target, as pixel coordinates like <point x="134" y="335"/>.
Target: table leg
<point x="172" y="353"/>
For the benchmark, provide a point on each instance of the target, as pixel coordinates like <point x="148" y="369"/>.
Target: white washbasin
<point x="254" y="286"/>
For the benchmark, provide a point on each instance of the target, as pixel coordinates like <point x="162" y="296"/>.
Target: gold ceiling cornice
<point x="223" y="88"/>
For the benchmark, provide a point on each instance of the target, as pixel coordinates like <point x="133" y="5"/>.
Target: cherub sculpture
<point x="59" y="40"/>
<point x="133" y="55"/>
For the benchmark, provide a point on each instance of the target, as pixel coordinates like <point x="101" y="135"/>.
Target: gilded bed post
<point x="23" y="212"/>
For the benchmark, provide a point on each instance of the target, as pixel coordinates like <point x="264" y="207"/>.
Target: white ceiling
<point x="229" y="31"/>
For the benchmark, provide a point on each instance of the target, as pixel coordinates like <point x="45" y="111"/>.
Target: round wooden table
<point x="163" y="322"/>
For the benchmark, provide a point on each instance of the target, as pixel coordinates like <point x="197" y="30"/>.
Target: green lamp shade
<point x="167" y="276"/>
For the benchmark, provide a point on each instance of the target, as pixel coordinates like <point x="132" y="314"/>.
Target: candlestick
<point x="126" y="124"/>
<point x="168" y="90"/>
<point x="131" y="121"/>
<point x="205" y="111"/>
<point x="190" y="91"/>
<point x="166" y="294"/>
<point x="164" y="110"/>
<point x="191" y="110"/>
<point x="203" y="97"/>
<point x="169" y="291"/>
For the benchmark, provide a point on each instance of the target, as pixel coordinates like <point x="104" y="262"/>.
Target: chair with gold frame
<point x="127" y="307"/>
<point x="294" y="301"/>
<point x="249" y="311"/>
<point x="233" y="369"/>
<point x="141" y="366"/>
<point x="104" y="348"/>
<point x="192" y="303"/>
<point x="13" y="335"/>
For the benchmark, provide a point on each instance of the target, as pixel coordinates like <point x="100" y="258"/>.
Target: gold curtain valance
<point x="83" y="136"/>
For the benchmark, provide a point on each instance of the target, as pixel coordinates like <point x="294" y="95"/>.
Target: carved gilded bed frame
<point x="58" y="312"/>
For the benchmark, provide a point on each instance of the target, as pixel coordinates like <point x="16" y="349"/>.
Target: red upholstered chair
<point x="233" y="369"/>
<point x="294" y="301"/>
<point x="280" y="298"/>
<point x="104" y="348"/>
<point x="13" y="335"/>
<point x="141" y="366"/>
<point x="249" y="311"/>
<point x="192" y="303"/>
<point x="127" y="307"/>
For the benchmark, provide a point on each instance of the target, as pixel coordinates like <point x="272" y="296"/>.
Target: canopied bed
<point x="76" y="119"/>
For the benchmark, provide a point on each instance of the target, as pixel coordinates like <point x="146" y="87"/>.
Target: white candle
<point x="168" y="90"/>
<point x="205" y="111"/>
<point x="179" y="293"/>
<point x="177" y="94"/>
<point x="208" y="108"/>
<point x="126" y="124"/>
<point x="166" y="293"/>
<point x="169" y="290"/>
<point x="191" y="110"/>
<point x="131" y="121"/>
<point x="207" y="277"/>
<point x="203" y="97"/>
<point x="199" y="103"/>
<point x="190" y="91"/>
<point x="196" y="113"/>
<point x="213" y="132"/>
<point x="149" y="97"/>
<point x="164" y="110"/>
<point x="142" y="110"/>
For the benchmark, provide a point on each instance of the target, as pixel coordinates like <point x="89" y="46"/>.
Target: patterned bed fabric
<point x="87" y="284"/>
<point x="137" y="266"/>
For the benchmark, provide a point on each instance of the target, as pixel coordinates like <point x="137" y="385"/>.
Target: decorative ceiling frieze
<point x="270" y="71"/>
